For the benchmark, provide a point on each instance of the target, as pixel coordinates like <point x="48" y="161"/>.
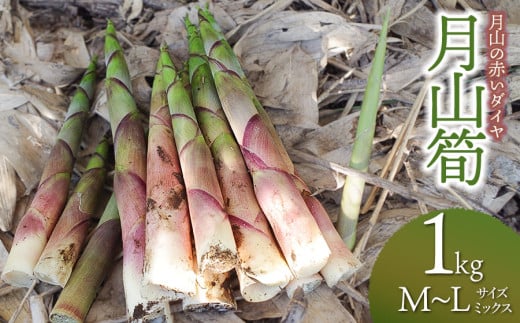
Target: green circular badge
<point x="448" y="266"/>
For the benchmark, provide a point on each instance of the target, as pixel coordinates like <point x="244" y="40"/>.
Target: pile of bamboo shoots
<point x="207" y="193"/>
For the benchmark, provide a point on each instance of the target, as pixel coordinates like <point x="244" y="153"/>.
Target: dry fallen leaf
<point x="513" y="48"/>
<point x="10" y="303"/>
<point x="326" y="143"/>
<point x="324" y="306"/>
<point x="25" y="140"/>
<point x="3" y="255"/>
<point x="409" y="69"/>
<point x="131" y="9"/>
<point x="514" y="85"/>
<point x="10" y="98"/>
<point x="22" y="46"/>
<point x="510" y="7"/>
<point x="389" y="223"/>
<point x="173" y="32"/>
<point x="317" y="32"/>
<point x="448" y="4"/>
<point x="6" y="23"/>
<point x="419" y="24"/>
<point x="39" y="311"/>
<point x="50" y="105"/>
<point x="76" y="54"/>
<point x="288" y="86"/>
<point x="272" y="308"/>
<point x="8" y="195"/>
<point x="194" y="317"/>
<point x="55" y="74"/>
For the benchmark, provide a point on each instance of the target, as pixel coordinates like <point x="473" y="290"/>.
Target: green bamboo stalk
<point x="214" y="243"/>
<point x="360" y="158"/>
<point x="261" y="274"/>
<point x="272" y="171"/>
<point x="167" y="216"/>
<point x="38" y="222"/>
<point x="67" y="239"/>
<point x="130" y="174"/>
<point x="93" y="266"/>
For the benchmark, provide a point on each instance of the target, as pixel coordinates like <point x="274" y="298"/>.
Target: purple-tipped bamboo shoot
<point x="130" y="173"/>
<point x="294" y="227"/>
<point x="67" y="239"/>
<point x="341" y="264"/>
<point x="226" y="55"/>
<point x="214" y="243"/>
<point x="250" y="227"/>
<point x="80" y="291"/>
<point x="37" y="224"/>
<point x="168" y="256"/>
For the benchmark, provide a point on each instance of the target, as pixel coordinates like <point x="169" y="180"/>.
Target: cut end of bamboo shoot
<point x="155" y="293"/>
<point x="213" y="293"/>
<point x="169" y="272"/>
<point x="254" y="291"/>
<point x="63" y="318"/>
<point x="339" y="268"/>
<point x="18" y="270"/>
<point x="53" y="275"/>
<point x="173" y="277"/>
<point x="341" y="264"/>
<point x="267" y="267"/>
<point x="18" y="278"/>
<point x="138" y="307"/>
